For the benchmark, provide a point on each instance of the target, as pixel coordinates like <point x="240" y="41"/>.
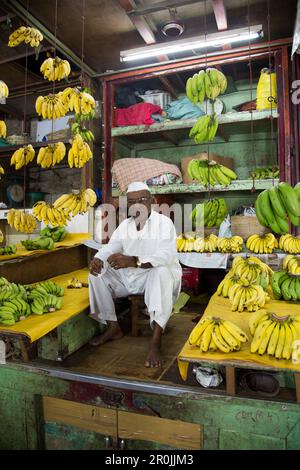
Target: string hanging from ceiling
<point x="272" y="91"/>
<point x="253" y="158"/>
<point x="24" y="124"/>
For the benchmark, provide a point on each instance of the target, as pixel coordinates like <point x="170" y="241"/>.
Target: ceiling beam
<point x="149" y="38"/>
<point x="220" y="14"/>
<point x="21" y="12"/>
<point x="160" y="6"/>
<point x="23" y="55"/>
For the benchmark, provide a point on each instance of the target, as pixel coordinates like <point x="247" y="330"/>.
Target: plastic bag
<point x="266" y="90"/>
<point x="208" y="377"/>
<point x="225" y="228"/>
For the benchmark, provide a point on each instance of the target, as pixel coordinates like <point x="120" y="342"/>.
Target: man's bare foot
<point x="154" y="358"/>
<point x="113" y="332"/>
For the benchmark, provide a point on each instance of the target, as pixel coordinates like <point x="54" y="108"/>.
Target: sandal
<point x="262" y="383"/>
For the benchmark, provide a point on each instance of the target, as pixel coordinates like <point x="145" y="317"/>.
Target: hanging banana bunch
<point x="52" y="154"/>
<point x="76" y="203"/>
<point x="20" y="221"/>
<point x="80" y="153"/>
<point x="209" y="83"/>
<point x="50" y="215"/>
<point x="3" y="129"/>
<point x="79" y="101"/>
<point x="55" y="69"/>
<point x="31" y="36"/>
<point x="4" y="91"/>
<point x="51" y="106"/>
<point x="23" y="156"/>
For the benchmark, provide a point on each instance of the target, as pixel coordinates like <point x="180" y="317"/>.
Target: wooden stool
<point x="136" y="303"/>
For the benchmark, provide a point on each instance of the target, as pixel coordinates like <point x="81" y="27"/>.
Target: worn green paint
<point x="228" y="422"/>
<point x="68" y="337"/>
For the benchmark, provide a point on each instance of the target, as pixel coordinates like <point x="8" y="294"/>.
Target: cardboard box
<point x="226" y="161"/>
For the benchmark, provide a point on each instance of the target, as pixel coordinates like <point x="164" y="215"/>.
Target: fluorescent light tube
<point x="200" y="42"/>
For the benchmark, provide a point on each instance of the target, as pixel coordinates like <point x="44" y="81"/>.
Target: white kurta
<point x="155" y="244"/>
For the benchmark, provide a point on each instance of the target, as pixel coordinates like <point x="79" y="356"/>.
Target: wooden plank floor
<point x="125" y="357"/>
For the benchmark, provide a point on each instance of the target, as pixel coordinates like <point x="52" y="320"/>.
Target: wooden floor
<point x="125" y="357"/>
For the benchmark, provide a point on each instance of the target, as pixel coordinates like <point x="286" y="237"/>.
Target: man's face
<point x="139" y="204"/>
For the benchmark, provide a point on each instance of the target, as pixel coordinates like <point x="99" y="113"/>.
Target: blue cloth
<point x="183" y="109"/>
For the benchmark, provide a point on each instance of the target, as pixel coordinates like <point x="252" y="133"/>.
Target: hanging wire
<point x="55" y="46"/>
<point x="253" y="159"/>
<point x="25" y="109"/>
<point x="271" y="90"/>
<point x="206" y="103"/>
<point x="82" y="42"/>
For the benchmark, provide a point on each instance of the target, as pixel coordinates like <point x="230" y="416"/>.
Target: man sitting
<point x="140" y="258"/>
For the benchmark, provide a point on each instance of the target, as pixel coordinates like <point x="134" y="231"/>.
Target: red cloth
<point x="137" y="114"/>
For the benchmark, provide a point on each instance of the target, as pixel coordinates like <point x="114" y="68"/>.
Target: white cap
<point x="137" y="186"/>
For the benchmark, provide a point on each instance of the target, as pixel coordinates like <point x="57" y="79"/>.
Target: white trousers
<point x="159" y="285"/>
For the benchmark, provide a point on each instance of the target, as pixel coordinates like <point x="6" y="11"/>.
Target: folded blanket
<point x="137" y="114"/>
<point x="129" y="170"/>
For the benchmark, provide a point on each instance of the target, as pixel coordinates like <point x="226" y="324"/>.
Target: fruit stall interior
<point x="251" y="144"/>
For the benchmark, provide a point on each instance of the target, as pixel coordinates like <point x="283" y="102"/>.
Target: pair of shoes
<point x="262" y="383"/>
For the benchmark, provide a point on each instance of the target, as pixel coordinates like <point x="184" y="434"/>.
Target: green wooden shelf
<point x="228" y="118"/>
<point x="238" y="185"/>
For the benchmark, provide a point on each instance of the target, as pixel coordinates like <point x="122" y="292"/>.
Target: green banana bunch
<point x="45" y="304"/>
<point x="210" y="213"/>
<point x="8" y="250"/>
<point x="56" y="233"/>
<point x="45" y="288"/>
<point x="210" y="173"/>
<point x="285" y="286"/>
<point x="13" y="310"/>
<point x="206" y="84"/>
<point x="85" y="133"/>
<point x="265" y="173"/>
<point x="39" y="243"/>
<point x="275" y="206"/>
<point x="205" y="129"/>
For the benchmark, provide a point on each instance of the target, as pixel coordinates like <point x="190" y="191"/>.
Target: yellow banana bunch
<point x="52" y="154"/>
<point x="3" y="129"/>
<point x="79" y="101"/>
<point x="51" y="106"/>
<point x="262" y="245"/>
<point x="290" y="244"/>
<point x="245" y="295"/>
<point x="73" y="204"/>
<point x="4" y="91"/>
<point x="208" y="83"/>
<point x="185" y="243"/>
<point x="80" y="153"/>
<point x="1" y="236"/>
<point x="55" y="69"/>
<point x="225" y="285"/>
<point x="50" y="215"/>
<point x="252" y="269"/>
<point x="198" y="244"/>
<point x="273" y="334"/>
<point x="22" y="156"/>
<point x="230" y="245"/>
<point x="1" y="171"/>
<point x="20" y="221"/>
<point x="292" y="265"/>
<point x="212" y="333"/>
<point x="30" y="36"/>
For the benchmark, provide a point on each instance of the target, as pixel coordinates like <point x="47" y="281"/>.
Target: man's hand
<point x="96" y="266"/>
<point x="119" y="261"/>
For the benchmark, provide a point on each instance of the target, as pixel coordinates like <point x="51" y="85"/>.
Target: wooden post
<point x="297" y="383"/>
<point x="134" y="311"/>
<point x="230" y="380"/>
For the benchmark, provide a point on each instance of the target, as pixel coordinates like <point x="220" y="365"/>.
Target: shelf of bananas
<point x="230" y="245"/>
<point x="31" y="36"/>
<point x="205" y="129"/>
<point x="268" y="172"/>
<point x="79" y="203"/>
<point x="210" y="213"/>
<point x="8" y="250"/>
<point x="198" y="244"/>
<point x="262" y="244"/>
<point x="289" y="244"/>
<point x="286" y="286"/>
<point x="209" y="83"/>
<point x="274" y="335"/>
<point x="79" y="100"/>
<point x="51" y="155"/>
<point x="276" y="206"/>
<point x="39" y="243"/>
<point x="23" y="156"/>
<point x="3" y="129"/>
<point x="50" y="215"/>
<point x="4" y="91"/>
<point x="55" y="69"/>
<point x="212" y="333"/>
<point x="52" y="106"/>
<point x="210" y="173"/>
<point x="85" y="133"/>
<point x="21" y="221"/>
<point x="80" y="153"/>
